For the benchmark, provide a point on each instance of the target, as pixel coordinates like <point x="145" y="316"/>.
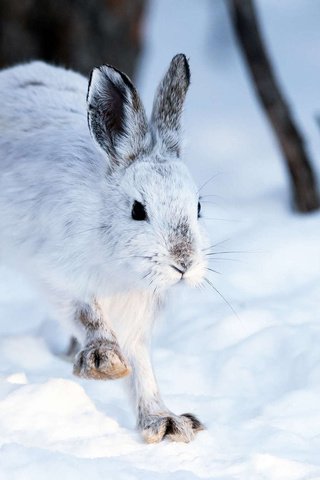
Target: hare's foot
<point x="178" y="428"/>
<point x="101" y="360"/>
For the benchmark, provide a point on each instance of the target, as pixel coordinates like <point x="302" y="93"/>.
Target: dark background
<point x="74" y="33"/>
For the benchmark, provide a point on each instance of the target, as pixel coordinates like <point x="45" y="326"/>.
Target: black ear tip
<point x="181" y="60"/>
<point x="90" y="80"/>
<point x="109" y="73"/>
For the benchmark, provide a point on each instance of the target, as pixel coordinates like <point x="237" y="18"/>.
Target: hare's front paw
<point x="101" y="360"/>
<point x="178" y="428"/>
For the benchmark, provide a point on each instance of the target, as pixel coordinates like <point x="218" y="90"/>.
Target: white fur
<point x="56" y="193"/>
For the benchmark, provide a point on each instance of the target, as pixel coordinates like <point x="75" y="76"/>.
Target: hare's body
<point x="48" y="161"/>
<point x="104" y="231"/>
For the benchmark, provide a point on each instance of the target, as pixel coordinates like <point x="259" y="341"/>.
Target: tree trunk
<point x="79" y="34"/>
<point x="246" y="27"/>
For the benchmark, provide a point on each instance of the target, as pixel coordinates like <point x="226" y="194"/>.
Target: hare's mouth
<point x="193" y="275"/>
<point x="162" y="273"/>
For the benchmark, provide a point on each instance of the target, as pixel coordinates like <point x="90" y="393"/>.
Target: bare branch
<point x="246" y="27"/>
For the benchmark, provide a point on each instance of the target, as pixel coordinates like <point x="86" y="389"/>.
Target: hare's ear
<point x="116" y="117"/>
<point x="168" y="105"/>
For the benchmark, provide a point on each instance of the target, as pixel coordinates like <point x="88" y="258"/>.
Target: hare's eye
<point x="199" y="209"/>
<point x="138" y="211"/>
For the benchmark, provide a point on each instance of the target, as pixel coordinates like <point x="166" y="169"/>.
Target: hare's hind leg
<point x="70" y="352"/>
<point x="73" y="348"/>
<point x="101" y="358"/>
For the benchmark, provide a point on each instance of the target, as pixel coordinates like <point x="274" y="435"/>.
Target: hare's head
<point x="154" y="219"/>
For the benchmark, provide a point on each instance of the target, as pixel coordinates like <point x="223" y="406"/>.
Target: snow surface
<point x="253" y="377"/>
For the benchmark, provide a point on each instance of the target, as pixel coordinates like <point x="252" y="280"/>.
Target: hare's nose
<point x="181" y="267"/>
<point x="178" y="269"/>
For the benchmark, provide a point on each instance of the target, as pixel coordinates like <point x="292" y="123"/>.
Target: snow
<point x="253" y="376"/>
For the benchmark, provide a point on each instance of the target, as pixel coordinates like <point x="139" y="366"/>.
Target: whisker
<point x="207" y="196"/>
<point x="215" y="271"/>
<point x="216" y="244"/>
<point x="127" y="258"/>
<point x="224" y="258"/>
<point x="208" y="201"/>
<point x="155" y="290"/>
<point x="208" y="181"/>
<point x="230" y="251"/>
<point x="146" y="275"/>
<point x="220" y="294"/>
<point x="148" y="257"/>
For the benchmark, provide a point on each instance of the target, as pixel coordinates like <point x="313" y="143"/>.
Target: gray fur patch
<point x="91" y="317"/>
<point x="101" y="358"/>
<point x="181" y="241"/>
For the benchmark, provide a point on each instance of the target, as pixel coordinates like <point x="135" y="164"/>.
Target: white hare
<point x="106" y="222"/>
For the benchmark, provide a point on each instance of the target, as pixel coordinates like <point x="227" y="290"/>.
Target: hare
<point x="98" y="209"/>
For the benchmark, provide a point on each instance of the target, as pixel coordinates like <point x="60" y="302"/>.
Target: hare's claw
<point x="178" y="428"/>
<point x="101" y="360"/>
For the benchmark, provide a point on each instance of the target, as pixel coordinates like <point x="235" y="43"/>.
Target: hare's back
<point x="47" y="158"/>
<point x="37" y="96"/>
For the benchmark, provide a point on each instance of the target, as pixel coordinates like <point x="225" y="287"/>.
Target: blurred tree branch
<point x="246" y="27"/>
<point x="78" y="34"/>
